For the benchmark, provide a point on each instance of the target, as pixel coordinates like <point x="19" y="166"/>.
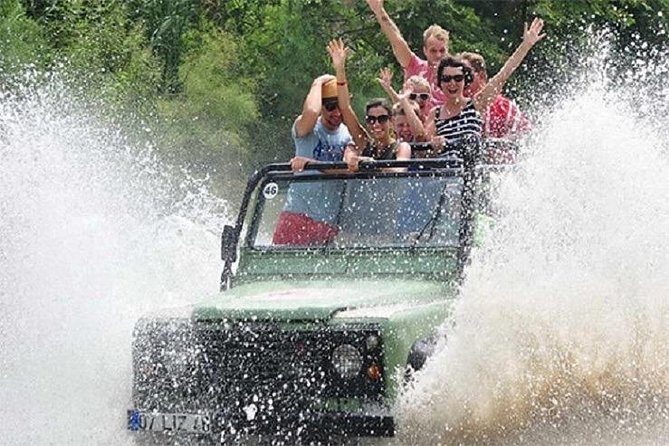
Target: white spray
<point x="561" y="334"/>
<point x="90" y="239"/>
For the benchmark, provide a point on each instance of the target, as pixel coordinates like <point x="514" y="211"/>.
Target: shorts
<point x="301" y="230"/>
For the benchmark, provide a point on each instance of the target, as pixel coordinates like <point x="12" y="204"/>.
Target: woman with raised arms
<point x="460" y="115"/>
<point x="379" y="143"/>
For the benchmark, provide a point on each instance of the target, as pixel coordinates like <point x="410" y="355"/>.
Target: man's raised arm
<point x="311" y="108"/>
<point x="392" y="32"/>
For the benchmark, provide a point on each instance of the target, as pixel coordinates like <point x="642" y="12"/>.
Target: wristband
<point x="341" y="83"/>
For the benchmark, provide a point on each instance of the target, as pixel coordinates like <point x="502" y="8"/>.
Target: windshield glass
<point x="358" y="212"/>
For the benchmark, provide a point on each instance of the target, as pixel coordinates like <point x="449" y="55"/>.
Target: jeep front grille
<point x="226" y="365"/>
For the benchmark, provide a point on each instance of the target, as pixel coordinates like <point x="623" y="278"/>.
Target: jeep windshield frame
<point x="251" y="208"/>
<point x="366" y="210"/>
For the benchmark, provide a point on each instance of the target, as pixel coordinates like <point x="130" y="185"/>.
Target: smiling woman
<point x="460" y="116"/>
<point x="378" y="141"/>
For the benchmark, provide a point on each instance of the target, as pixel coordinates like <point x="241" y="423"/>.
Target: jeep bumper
<point x="223" y="426"/>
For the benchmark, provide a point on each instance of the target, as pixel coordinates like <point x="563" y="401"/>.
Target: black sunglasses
<point x="331" y="105"/>
<point x="381" y="118"/>
<point x="456" y="78"/>
<point x="421" y="96"/>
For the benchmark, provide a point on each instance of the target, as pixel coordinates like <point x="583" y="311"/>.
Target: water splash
<point x="560" y="335"/>
<point x="91" y="236"/>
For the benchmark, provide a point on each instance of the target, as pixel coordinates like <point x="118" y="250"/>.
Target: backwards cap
<point x="329" y="89"/>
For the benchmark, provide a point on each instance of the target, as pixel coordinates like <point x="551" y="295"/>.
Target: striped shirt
<point x="467" y="122"/>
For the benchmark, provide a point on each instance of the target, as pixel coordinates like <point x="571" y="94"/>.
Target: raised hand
<point x="533" y="34"/>
<point x="385" y="78"/>
<point x="338" y="52"/>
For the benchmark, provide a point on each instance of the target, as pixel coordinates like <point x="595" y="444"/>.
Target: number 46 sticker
<point x="270" y="190"/>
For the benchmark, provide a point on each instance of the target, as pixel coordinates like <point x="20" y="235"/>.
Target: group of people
<point x="444" y="98"/>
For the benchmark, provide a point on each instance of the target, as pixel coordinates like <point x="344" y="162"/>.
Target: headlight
<point x="347" y="361"/>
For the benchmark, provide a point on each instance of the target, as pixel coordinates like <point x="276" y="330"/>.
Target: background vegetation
<point x="220" y="81"/>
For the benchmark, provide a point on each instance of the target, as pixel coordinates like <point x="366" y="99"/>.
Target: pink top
<point x="420" y="67"/>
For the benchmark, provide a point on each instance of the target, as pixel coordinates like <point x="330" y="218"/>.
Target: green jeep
<point x="313" y="335"/>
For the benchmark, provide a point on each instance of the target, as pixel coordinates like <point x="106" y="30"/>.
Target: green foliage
<point x="204" y="126"/>
<point x="237" y="16"/>
<point x="285" y="53"/>
<point x="101" y="47"/>
<point x="166" y="23"/>
<point x="111" y="51"/>
<point x="22" y="39"/>
<point x="210" y="82"/>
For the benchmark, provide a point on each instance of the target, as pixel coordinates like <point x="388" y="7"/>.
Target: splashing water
<point x="561" y="333"/>
<point x="90" y="238"/>
<point x="560" y="336"/>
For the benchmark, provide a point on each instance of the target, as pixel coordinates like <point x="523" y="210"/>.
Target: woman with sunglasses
<point x="379" y="143"/>
<point x="460" y="116"/>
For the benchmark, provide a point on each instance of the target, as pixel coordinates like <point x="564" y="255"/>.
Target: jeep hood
<point x="318" y="300"/>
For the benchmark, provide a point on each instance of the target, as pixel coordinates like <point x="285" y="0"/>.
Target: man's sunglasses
<point x="331" y="106"/>
<point x="382" y="119"/>
<point x="456" y="78"/>
<point x="421" y="96"/>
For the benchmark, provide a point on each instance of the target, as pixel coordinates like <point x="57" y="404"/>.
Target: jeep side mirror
<point x="229" y="244"/>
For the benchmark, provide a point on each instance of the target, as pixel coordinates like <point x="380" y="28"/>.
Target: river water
<point x="560" y="336"/>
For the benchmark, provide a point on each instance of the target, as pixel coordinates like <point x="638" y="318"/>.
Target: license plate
<point x="169" y="422"/>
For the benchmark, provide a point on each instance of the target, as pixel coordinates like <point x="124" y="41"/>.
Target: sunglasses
<point x="421" y="96"/>
<point x="382" y="119"/>
<point x="331" y="106"/>
<point x="456" y="78"/>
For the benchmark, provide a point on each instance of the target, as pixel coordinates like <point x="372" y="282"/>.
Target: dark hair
<point x="455" y="62"/>
<point x="379" y="102"/>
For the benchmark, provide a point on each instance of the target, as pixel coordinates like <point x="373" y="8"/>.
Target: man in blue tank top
<point x="309" y="216"/>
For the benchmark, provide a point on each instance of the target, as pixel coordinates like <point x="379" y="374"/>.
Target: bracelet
<point x="341" y="83"/>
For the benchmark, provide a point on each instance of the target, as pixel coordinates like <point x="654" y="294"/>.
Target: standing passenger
<point x="435" y="48"/>
<point x="405" y="130"/>
<point x="309" y="215"/>
<point x="419" y="91"/>
<point x="319" y="133"/>
<point x="379" y="143"/>
<point x="503" y="119"/>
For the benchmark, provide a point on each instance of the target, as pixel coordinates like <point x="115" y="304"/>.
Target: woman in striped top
<point x="460" y="116"/>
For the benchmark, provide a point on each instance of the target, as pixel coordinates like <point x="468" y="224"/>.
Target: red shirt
<point x="503" y="119"/>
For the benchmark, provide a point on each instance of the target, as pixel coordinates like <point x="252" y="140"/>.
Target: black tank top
<point x="388" y="153"/>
